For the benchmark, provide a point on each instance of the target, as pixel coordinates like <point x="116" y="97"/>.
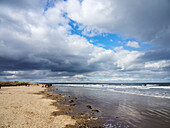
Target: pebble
<point x="95" y="110"/>
<point x="71" y="101"/>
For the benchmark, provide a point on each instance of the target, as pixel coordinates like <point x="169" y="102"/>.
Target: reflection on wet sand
<point x="125" y="110"/>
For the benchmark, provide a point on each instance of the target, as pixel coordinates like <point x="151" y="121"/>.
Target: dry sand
<point x="20" y="108"/>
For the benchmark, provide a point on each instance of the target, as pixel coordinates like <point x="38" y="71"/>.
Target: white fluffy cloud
<point x="126" y="59"/>
<point x="158" y="64"/>
<point x="133" y="44"/>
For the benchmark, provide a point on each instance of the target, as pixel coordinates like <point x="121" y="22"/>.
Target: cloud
<point x="100" y="45"/>
<point x="91" y="41"/>
<point x="88" y="31"/>
<point x="32" y="40"/>
<point x="126" y="60"/>
<point x="156" y="54"/>
<point x="133" y="44"/>
<point x="26" y="4"/>
<point x="158" y="64"/>
<point x="131" y="18"/>
<point x="39" y="45"/>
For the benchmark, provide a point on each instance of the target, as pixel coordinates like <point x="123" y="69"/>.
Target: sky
<point x="85" y="40"/>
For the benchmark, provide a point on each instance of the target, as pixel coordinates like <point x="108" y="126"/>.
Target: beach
<point x="84" y="106"/>
<point x="21" y="107"/>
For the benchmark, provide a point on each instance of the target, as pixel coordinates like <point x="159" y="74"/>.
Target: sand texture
<point x="20" y="108"/>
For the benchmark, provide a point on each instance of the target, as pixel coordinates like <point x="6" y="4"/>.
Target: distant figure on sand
<point x="0" y="86"/>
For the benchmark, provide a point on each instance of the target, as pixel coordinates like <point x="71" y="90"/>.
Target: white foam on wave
<point x="133" y="93"/>
<point x="140" y="87"/>
<point x="128" y="89"/>
<point x="148" y="86"/>
<point x="80" y="85"/>
<point x="152" y="84"/>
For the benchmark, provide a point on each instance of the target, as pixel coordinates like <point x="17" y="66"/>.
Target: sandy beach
<point x="20" y="107"/>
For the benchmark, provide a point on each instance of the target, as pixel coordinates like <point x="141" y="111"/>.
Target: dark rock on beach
<point x="89" y="107"/>
<point x="72" y="104"/>
<point x="95" y="110"/>
<point x="71" y="101"/>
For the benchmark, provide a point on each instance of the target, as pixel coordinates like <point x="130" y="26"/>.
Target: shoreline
<point x="20" y="106"/>
<point x="66" y="106"/>
<point x="115" y="109"/>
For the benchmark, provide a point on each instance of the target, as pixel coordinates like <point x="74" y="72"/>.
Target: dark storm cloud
<point x="14" y="65"/>
<point x="156" y="55"/>
<point x="55" y="65"/>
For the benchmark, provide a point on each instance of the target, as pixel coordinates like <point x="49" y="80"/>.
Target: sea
<point x="124" y="105"/>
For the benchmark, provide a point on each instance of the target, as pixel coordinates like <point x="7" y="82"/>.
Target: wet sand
<point x="86" y="117"/>
<point x="22" y="107"/>
<point x="117" y="110"/>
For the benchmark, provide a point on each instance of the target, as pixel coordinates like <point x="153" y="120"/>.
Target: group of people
<point x="43" y="85"/>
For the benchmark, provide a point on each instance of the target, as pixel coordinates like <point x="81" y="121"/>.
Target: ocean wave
<point x="150" y="90"/>
<point x="123" y="86"/>
<point x="141" y="94"/>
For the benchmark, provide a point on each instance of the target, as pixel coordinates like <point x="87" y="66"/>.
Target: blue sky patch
<point x="106" y="40"/>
